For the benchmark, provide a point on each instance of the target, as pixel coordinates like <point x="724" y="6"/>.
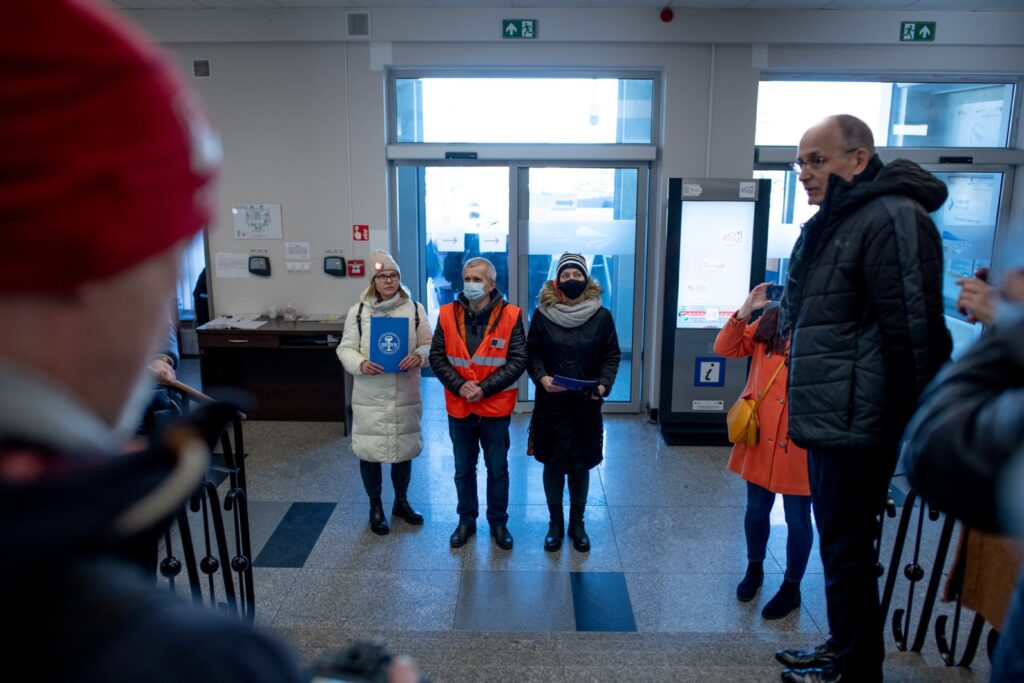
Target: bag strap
<point x="770" y="382"/>
<point x="359" y="317"/>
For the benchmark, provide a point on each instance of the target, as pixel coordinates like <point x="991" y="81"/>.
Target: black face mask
<point x="572" y="288"/>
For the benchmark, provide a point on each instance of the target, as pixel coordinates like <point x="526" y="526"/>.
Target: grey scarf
<point x="571" y="315"/>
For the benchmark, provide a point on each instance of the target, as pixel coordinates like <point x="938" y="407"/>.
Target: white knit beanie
<point x="381" y="260"/>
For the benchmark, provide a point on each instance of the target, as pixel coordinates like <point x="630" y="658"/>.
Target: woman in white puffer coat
<point x="386" y="406"/>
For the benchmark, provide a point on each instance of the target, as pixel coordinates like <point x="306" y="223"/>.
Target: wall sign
<point x="709" y="371"/>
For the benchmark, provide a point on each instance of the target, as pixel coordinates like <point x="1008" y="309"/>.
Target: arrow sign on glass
<point x="917" y="32"/>
<point x="518" y="29"/>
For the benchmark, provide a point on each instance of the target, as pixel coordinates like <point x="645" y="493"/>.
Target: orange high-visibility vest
<point x="485" y="361"/>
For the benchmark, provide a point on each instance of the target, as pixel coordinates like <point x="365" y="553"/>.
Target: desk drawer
<point x="245" y="341"/>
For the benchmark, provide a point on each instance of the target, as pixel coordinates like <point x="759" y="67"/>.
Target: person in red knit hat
<point x="106" y="173"/>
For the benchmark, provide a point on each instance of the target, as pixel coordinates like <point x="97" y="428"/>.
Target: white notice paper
<point x="231" y="265"/>
<point x="257" y="221"/>
<point x="296" y="251"/>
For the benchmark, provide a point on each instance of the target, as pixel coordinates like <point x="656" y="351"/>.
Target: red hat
<point x="105" y="156"/>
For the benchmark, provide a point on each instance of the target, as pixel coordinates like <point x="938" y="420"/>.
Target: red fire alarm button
<point x="361" y="233"/>
<point x="356" y="267"/>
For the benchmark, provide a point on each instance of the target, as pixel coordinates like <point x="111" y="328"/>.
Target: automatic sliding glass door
<point x="447" y="214"/>
<point x="595" y="212"/>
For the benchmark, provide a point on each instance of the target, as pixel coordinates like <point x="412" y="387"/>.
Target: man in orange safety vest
<point x="478" y="352"/>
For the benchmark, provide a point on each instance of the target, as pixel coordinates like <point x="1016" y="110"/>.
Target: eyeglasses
<point x="816" y="162"/>
<point x="385" y="277"/>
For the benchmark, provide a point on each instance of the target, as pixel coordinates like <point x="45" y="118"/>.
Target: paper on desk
<point x="223" y="323"/>
<point x="249" y="324"/>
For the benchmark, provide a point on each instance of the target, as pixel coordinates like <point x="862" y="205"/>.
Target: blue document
<point x="577" y="384"/>
<point x="389" y="342"/>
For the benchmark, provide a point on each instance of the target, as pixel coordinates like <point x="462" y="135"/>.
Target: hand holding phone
<point x="774" y="292"/>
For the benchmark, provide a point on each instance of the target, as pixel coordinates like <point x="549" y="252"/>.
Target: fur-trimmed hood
<point x="549" y="295"/>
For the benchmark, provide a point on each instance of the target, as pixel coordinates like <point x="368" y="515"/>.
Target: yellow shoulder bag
<point x="742" y="416"/>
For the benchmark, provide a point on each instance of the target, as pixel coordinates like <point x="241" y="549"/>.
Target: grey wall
<point x="302" y="113"/>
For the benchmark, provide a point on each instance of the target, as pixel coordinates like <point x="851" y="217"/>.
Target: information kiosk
<point x="715" y="254"/>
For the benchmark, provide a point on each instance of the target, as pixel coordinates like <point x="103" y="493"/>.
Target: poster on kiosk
<point x="715" y="254"/>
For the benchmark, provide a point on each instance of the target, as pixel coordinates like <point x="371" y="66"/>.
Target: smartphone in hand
<point x="774" y="292"/>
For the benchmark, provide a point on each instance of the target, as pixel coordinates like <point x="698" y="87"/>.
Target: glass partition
<point x="966" y="222"/>
<point x="899" y="114"/>
<point x="543" y="110"/>
<point x="592" y="211"/>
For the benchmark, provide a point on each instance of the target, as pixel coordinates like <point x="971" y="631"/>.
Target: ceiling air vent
<point x="201" y="68"/>
<point x="358" y="24"/>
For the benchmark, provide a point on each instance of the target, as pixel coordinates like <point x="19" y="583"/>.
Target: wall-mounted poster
<point x="257" y="221"/>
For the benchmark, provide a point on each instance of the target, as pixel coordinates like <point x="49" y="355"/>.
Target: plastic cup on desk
<point x="273" y="312"/>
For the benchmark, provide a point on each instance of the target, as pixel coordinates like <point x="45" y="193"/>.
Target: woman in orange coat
<point x="774" y="464"/>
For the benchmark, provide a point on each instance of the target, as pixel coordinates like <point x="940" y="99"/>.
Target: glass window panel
<point x="524" y="110"/>
<point x="966" y="222"/>
<point x="591" y="211"/>
<point x="465" y="215"/>
<point x="899" y="114"/>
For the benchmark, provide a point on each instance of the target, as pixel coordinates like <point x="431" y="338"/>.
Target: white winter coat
<point x="386" y="408"/>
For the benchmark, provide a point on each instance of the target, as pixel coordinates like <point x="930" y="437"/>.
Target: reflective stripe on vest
<point x="484" y="361"/>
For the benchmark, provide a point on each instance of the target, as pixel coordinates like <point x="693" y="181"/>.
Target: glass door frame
<point x="520" y="202"/>
<point x="518" y="247"/>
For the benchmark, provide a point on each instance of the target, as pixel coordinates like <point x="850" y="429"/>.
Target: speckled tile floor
<point x="666" y="524"/>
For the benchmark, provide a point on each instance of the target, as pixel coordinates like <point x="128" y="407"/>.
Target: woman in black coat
<point x="571" y="335"/>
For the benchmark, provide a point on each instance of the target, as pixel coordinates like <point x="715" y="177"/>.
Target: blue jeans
<point x="799" y="537"/>
<point x="469" y="434"/>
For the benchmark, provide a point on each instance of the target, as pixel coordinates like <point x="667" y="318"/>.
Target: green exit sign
<point x="518" y="29"/>
<point x="917" y="31"/>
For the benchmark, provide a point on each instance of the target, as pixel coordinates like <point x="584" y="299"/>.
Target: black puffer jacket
<point x="566" y="428"/>
<point x="864" y="302"/>
<point x="969" y="425"/>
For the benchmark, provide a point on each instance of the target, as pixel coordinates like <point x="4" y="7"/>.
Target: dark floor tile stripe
<point x="295" y="536"/>
<point x="601" y="602"/>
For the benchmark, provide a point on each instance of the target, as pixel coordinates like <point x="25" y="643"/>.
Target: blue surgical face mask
<point x="474" y="291"/>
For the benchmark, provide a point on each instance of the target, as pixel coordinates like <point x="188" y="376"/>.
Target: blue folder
<point x="389" y="342"/>
<point x="573" y="383"/>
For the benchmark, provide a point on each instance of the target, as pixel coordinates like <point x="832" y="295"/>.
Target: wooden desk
<point x="291" y="368"/>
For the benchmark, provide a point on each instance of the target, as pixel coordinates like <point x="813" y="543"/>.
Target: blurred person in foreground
<point x="107" y="167"/>
<point x="965" y="449"/>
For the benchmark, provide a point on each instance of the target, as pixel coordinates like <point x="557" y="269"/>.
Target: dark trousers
<point x="849" y="489"/>
<point x="799" y="537"/>
<point x="373" y="477"/>
<point x="554" y="485"/>
<point x="470" y="434"/>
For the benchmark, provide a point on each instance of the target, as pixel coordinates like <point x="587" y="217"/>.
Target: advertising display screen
<point x="715" y="246"/>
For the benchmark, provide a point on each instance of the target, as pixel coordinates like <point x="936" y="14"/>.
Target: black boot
<point x="403" y="510"/>
<point x="784" y="602"/>
<point x="747" y="588"/>
<point x="577" y="531"/>
<point x="556" y="529"/>
<point x="378" y="522"/>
